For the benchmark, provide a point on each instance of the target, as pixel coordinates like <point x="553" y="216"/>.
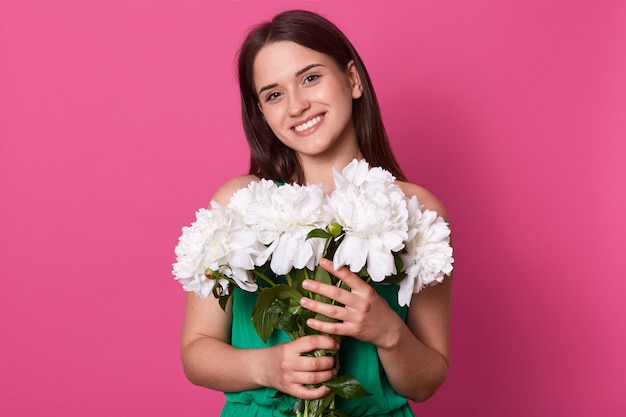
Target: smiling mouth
<point x="309" y="124"/>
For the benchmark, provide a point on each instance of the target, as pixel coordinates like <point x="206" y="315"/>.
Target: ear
<point x="355" y="80"/>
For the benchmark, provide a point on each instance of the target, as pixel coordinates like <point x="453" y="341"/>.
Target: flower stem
<point x="326" y="246"/>
<point x="264" y="277"/>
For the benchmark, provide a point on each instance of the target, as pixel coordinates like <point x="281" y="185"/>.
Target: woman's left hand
<point x="362" y="313"/>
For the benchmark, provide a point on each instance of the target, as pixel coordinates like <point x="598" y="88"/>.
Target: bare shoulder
<point x="425" y="197"/>
<point x="223" y="194"/>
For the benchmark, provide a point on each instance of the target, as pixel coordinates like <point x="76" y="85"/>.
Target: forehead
<point x="279" y="61"/>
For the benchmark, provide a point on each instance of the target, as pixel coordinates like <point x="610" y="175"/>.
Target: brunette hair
<point x="270" y="158"/>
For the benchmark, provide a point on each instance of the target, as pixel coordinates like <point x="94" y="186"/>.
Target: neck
<point x="318" y="168"/>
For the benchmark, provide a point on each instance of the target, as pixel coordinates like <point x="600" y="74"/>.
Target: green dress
<point x="357" y="358"/>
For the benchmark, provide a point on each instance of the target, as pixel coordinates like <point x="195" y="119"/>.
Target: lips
<point x="308" y="124"/>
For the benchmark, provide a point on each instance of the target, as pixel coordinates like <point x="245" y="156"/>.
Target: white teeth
<point x="309" y="124"/>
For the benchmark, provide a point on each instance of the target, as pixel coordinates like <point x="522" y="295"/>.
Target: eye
<point x="272" y="96"/>
<point x="311" y="78"/>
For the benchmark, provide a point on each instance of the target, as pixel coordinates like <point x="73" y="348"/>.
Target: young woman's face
<point x="306" y="98"/>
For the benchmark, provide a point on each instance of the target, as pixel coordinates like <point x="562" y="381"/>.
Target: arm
<point x="417" y="359"/>
<point x="424" y="343"/>
<point x="415" y="354"/>
<point x="210" y="361"/>
<point x="206" y="354"/>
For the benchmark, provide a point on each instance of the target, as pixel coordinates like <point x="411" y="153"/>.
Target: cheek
<point x="270" y="115"/>
<point x="345" y="103"/>
<point x="274" y="120"/>
<point x="342" y="96"/>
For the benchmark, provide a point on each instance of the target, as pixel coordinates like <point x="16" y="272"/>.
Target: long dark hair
<point x="270" y="158"/>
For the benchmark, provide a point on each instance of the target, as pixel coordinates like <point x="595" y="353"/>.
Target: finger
<point x="330" y="291"/>
<point x="310" y="393"/>
<point x="329" y="310"/>
<point x="349" y="278"/>
<point x="310" y="343"/>
<point x="310" y="364"/>
<point x="338" y="328"/>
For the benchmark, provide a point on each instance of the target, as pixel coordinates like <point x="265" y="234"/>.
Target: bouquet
<point x="268" y="231"/>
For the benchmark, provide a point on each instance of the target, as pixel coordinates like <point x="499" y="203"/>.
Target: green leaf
<point x="264" y="323"/>
<point x="302" y="318"/>
<point x="223" y="300"/>
<point x="334" y="413"/>
<point x="269" y="306"/>
<point x="321" y="233"/>
<point x="317" y="407"/>
<point x="399" y="261"/>
<point x="346" y="386"/>
<point x="333" y="244"/>
<point x="321" y="275"/>
<point x="288" y="322"/>
<point x="299" y="276"/>
<point x="287" y="311"/>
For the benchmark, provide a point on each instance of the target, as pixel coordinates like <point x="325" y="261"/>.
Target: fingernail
<point x="306" y="283"/>
<point x="304" y="301"/>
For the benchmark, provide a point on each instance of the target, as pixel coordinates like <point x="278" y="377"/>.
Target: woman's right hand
<point x="287" y="370"/>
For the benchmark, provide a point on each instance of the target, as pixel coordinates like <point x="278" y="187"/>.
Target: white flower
<point x="282" y="217"/>
<point x="428" y="256"/>
<point x="255" y="192"/>
<point x="372" y="210"/>
<point x="217" y="245"/>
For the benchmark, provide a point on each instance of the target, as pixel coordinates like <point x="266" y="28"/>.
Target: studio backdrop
<point x="120" y="118"/>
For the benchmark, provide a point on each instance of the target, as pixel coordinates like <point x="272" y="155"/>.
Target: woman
<point x="308" y="106"/>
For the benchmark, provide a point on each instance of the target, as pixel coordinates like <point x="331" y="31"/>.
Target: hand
<point x="294" y="371"/>
<point x="365" y="315"/>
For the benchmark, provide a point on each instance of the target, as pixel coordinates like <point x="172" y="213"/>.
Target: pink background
<point x="119" y="119"/>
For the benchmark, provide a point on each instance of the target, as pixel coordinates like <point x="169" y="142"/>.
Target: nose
<point x="298" y="103"/>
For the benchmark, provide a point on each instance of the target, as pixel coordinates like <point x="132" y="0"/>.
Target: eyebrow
<point x="297" y="74"/>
